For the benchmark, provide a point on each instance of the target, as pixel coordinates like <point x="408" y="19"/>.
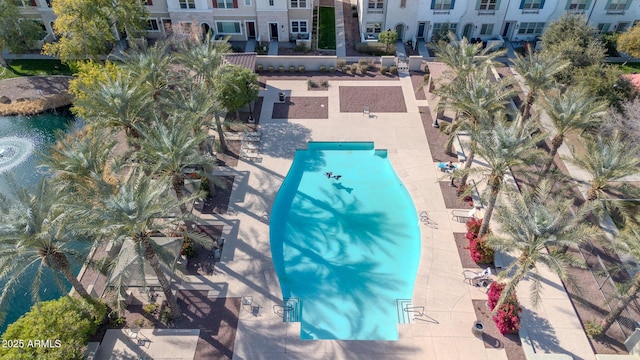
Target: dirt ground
<point x="302" y="108"/>
<point x="492" y="337"/>
<point x="381" y="100"/>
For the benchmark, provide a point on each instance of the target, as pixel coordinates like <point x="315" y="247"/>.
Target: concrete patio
<point x="150" y="344"/>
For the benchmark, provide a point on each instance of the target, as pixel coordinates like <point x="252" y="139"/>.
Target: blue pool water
<point x="346" y="251"/>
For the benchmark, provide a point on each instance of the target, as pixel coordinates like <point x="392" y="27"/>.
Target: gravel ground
<point x="462" y="243"/>
<point x="381" y="100"/>
<point x="302" y="108"/>
<point x="492" y="337"/>
<point x="417" y="80"/>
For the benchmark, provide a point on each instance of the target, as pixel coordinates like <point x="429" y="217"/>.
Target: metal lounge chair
<point x="463" y="215"/>
<point x="478" y="278"/>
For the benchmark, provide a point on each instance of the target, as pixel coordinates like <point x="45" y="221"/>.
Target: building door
<point x="421" y="28"/>
<point x="508" y="30"/>
<point x="467" y="31"/>
<point x="273" y="31"/>
<point x="400" y="31"/>
<point x="251" y="29"/>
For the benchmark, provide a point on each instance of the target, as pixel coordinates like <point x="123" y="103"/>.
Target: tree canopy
<point x="85" y="27"/>
<point x="629" y="41"/>
<point x="388" y="38"/>
<point x="62" y="328"/>
<point x="16" y="34"/>
<point x="236" y="87"/>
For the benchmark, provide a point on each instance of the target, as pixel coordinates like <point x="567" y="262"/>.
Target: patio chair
<point x="247" y="300"/>
<point x="478" y="278"/>
<point x="134" y="335"/>
<point x="463" y="215"/>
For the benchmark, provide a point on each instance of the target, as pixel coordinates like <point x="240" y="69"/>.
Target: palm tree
<point x="627" y="243"/>
<point x="608" y="159"/>
<point x="35" y="236"/>
<point x="465" y="58"/>
<point x="82" y="162"/>
<point x="120" y="102"/>
<point x="473" y="99"/>
<point x="572" y="109"/>
<point x="152" y="65"/>
<point x="170" y="149"/>
<point x="204" y="60"/>
<point x="134" y="213"/>
<point x="535" y="228"/>
<point x="538" y="71"/>
<point x="503" y="147"/>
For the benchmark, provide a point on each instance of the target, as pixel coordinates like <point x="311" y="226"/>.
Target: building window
<point x="152" y="25"/>
<point x="617" y="4"/>
<point x="486" y="29"/>
<point x="530" y="28"/>
<point x="225" y="4"/>
<point x="376" y="4"/>
<point x="271" y="2"/>
<point x="577" y="4"/>
<point x="488" y="4"/>
<point x="441" y="30"/>
<point x="166" y="24"/>
<point x="531" y="4"/>
<point x="374" y="28"/>
<point x="247" y="2"/>
<point x="228" y="27"/>
<point x="403" y="3"/>
<point x="442" y="4"/>
<point x="603" y="28"/>
<point x="187" y="4"/>
<point x="299" y="26"/>
<point x="298" y="3"/>
<point x="622" y="27"/>
<point x="27" y="3"/>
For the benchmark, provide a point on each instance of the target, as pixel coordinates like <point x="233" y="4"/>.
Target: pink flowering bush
<point x="507" y="317"/>
<point x="481" y="253"/>
<point x="473" y="225"/>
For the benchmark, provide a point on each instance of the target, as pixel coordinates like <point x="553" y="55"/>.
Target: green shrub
<point x="65" y="324"/>
<point x="188" y="248"/>
<point x="374" y="48"/>
<point x="292" y="69"/>
<point x="311" y="84"/>
<point x="355" y="14"/>
<point x="593" y="328"/>
<point x="426" y="69"/>
<point x="150" y="308"/>
<point x="332" y="69"/>
<point x="363" y="62"/>
<point x="271" y="69"/>
<point x="301" y="48"/>
<point x="345" y="68"/>
<point x="301" y="68"/>
<point x="354" y="68"/>
<point x="353" y="7"/>
<point x="341" y="63"/>
<point x="364" y="68"/>
<point x="324" y="84"/>
<point x="323" y="68"/>
<point x="393" y="69"/>
<point x="281" y="69"/>
<point x="260" y="68"/>
<point x="426" y="78"/>
<point x="383" y="69"/>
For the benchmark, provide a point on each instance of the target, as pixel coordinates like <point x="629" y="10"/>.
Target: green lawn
<point x="24" y="67"/>
<point x="327" y="28"/>
<point x="629" y="68"/>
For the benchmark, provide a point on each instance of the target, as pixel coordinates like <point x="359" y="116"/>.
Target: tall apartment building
<point x="282" y="20"/>
<point x="514" y="20"/>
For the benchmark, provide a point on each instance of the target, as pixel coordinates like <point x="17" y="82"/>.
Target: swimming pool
<point x="345" y="247"/>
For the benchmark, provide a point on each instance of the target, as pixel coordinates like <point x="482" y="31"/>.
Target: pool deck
<point x="246" y="268"/>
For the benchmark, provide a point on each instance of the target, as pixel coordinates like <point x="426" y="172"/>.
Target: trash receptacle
<point x="477" y="329"/>
<point x="281" y="95"/>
